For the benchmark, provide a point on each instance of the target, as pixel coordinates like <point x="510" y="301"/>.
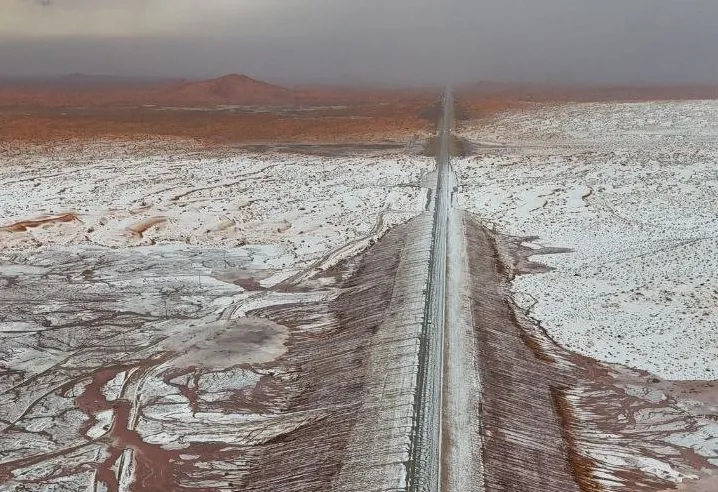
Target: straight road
<point x="425" y="460"/>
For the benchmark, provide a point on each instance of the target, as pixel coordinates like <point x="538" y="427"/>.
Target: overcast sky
<point x="361" y="41"/>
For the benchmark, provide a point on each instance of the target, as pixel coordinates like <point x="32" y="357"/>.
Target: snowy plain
<point x="632" y="190"/>
<point x="113" y="257"/>
<point x="304" y="206"/>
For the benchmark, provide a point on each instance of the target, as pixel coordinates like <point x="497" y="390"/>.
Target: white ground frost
<point x="149" y="265"/>
<point x="631" y="188"/>
<point x="303" y="206"/>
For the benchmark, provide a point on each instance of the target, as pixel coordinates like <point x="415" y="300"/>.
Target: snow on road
<point x="631" y="188"/>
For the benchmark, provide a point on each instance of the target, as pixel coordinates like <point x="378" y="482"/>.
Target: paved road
<point x="424" y="470"/>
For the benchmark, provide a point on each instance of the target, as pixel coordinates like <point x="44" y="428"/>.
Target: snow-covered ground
<point x="112" y="258"/>
<point x="632" y="189"/>
<point x="304" y="206"/>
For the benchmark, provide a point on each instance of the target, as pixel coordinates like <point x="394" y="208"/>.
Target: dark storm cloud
<point x="399" y="41"/>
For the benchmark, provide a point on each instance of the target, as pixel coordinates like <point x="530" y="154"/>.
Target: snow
<point x="168" y="253"/>
<point x="629" y="187"/>
<point x="461" y="382"/>
<point x="104" y="422"/>
<point x="302" y="205"/>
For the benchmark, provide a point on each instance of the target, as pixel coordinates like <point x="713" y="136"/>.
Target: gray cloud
<point x="392" y="41"/>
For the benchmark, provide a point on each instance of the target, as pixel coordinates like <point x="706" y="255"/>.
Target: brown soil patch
<point x="140" y="228"/>
<point x="582" y="468"/>
<point x="230" y="109"/>
<point x="364" y="122"/>
<point x="238" y="109"/>
<point x="29" y="224"/>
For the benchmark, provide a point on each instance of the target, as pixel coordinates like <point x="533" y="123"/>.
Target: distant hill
<point x="229" y="89"/>
<point x="88" y="90"/>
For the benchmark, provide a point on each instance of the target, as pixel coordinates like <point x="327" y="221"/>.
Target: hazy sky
<point x="393" y="41"/>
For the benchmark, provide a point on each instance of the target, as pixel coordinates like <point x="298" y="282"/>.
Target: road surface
<point x="425" y="471"/>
